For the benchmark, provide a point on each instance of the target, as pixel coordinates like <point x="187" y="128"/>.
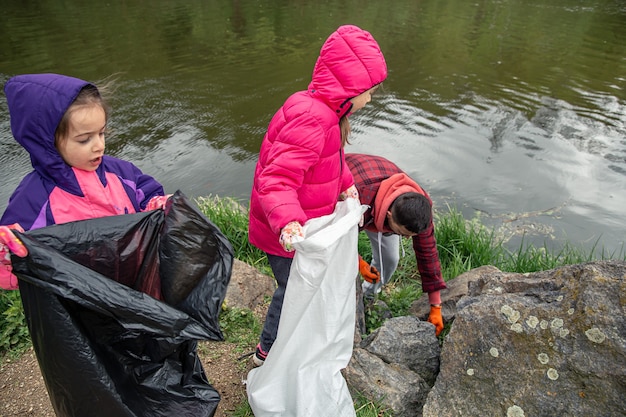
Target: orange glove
<point x="436" y="319"/>
<point x="369" y="273"/>
<point x="9" y="243"/>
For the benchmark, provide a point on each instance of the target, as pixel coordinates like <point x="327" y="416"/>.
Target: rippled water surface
<point x="514" y="111"/>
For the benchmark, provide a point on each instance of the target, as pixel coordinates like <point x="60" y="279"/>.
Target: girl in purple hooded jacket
<point x="301" y="172"/>
<point x="61" y="121"/>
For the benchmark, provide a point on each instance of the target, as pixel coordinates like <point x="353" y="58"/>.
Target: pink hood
<point x="349" y="64"/>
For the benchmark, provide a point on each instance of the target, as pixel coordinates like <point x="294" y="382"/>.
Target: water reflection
<point x="506" y="109"/>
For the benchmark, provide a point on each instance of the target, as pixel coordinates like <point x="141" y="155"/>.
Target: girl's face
<point x="83" y="146"/>
<point x="362" y="99"/>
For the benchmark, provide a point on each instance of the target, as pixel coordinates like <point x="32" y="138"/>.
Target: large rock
<point x="407" y="341"/>
<point x="457" y="288"/>
<point x="396" y="365"/>
<point x="248" y="288"/>
<point x="392" y="384"/>
<point x="550" y="343"/>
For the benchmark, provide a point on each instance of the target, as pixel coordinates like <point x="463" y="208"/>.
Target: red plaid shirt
<point x="369" y="171"/>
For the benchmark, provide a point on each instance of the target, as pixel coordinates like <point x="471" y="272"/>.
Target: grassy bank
<point x="463" y="244"/>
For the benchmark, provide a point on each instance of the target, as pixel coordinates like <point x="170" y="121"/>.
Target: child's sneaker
<point x="259" y="356"/>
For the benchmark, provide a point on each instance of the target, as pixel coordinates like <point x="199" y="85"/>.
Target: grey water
<point x="512" y="111"/>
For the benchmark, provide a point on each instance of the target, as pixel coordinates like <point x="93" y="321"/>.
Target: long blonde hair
<point x="344" y="123"/>
<point x="344" y="126"/>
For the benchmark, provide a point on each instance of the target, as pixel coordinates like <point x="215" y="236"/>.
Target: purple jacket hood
<point x="37" y="102"/>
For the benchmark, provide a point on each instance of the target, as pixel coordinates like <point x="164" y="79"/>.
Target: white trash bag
<point x="302" y="373"/>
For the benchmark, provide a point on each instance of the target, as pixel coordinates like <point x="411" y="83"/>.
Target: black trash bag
<point x="107" y="348"/>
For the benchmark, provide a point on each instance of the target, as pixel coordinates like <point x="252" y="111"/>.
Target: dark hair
<point x="413" y="211"/>
<point x="89" y="95"/>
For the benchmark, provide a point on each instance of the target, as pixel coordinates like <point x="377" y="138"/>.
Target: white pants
<point x="385" y="258"/>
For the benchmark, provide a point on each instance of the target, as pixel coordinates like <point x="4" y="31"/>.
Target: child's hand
<point x="290" y="234"/>
<point x="351" y="192"/>
<point x="9" y="243"/>
<point x="157" y="202"/>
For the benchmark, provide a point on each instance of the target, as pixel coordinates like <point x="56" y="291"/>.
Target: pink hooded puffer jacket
<point x="301" y="168"/>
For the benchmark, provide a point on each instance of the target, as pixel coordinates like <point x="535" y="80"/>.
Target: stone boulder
<point x="550" y="343"/>
<point x="457" y="288"/>
<point x="248" y="287"/>
<point x="396" y="364"/>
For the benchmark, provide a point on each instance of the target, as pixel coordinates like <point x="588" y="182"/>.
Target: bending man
<point x="398" y="207"/>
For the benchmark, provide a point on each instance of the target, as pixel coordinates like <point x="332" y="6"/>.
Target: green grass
<point x="14" y="336"/>
<point x="240" y="327"/>
<point x="232" y="219"/>
<point x="367" y="408"/>
<point x="462" y="244"/>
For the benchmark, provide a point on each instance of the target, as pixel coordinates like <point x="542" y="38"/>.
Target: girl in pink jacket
<point x="301" y="172"/>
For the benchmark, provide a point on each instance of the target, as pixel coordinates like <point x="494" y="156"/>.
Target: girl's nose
<point x="98" y="145"/>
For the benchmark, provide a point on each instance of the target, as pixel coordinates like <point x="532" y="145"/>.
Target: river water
<point x="511" y="111"/>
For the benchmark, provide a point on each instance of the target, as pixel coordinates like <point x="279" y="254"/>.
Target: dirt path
<point x="23" y="392"/>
